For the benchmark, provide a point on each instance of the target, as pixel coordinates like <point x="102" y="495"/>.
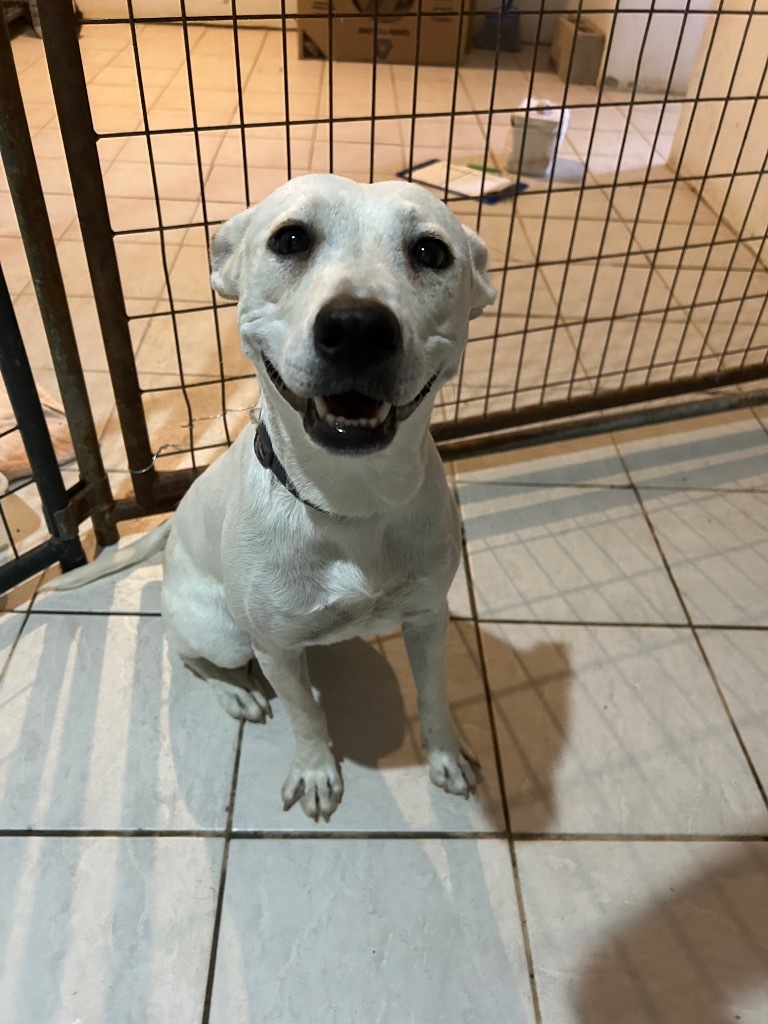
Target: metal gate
<point x="629" y="273"/>
<point x="26" y="545"/>
<point x="23" y="552"/>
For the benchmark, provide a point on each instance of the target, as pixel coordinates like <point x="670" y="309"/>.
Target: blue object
<point x="500" y="29"/>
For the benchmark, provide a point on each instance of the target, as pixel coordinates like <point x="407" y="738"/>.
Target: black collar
<point x="265" y="453"/>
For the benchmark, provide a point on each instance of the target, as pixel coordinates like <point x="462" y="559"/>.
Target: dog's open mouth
<point x="348" y="422"/>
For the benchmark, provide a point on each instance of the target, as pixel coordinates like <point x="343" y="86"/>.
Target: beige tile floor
<point x="607" y="649"/>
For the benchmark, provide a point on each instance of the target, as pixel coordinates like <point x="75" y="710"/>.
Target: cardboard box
<point x="353" y="35"/>
<point x="585" y="41"/>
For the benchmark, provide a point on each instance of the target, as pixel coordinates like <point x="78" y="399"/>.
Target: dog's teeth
<point x="343" y="423"/>
<point x="382" y="413"/>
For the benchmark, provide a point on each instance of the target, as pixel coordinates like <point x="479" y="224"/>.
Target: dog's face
<point x="353" y="299"/>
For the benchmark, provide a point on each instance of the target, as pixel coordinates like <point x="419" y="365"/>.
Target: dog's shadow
<point x="362" y="699"/>
<point x="367" y="692"/>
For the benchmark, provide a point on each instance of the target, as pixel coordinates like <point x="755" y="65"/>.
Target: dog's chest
<point x="323" y="593"/>
<point x="351" y="601"/>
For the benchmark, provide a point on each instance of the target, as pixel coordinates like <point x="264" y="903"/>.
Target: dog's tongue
<point x="352" y="406"/>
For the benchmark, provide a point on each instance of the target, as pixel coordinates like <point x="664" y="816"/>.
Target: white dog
<point x="331" y="517"/>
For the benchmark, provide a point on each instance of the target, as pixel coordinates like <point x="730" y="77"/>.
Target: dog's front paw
<point x="454" y="770"/>
<point x="315" y="783"/>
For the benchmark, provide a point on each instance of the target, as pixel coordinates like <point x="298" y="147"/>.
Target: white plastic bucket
<point x="536" y="133"/>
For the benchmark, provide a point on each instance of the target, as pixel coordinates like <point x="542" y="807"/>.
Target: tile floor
<point x="606" y="662"/>
<point x="607" y="649"/>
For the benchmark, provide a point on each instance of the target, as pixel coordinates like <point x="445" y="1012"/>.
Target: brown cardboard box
<point x="576" y="52"/>
<point x="353" y="35"/>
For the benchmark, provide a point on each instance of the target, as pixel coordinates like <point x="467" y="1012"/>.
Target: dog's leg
<point x="237" y="690"/>
<point x="450" y="766"/>
<point x="314" y="778"/>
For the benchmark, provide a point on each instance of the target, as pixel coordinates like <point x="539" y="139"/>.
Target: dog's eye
<point x="291" y="240"/>
<point x="431" y="253"/>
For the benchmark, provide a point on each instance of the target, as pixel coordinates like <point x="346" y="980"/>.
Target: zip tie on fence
<point x="218" y="416"/>
<point x="158" y="453"/>
<point x="186" y="426"/>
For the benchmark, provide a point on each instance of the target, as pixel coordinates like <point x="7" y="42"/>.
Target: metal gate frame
<point x="91" y="498"/>
<point x="157" y="491"/>
<point x="63" y="544"/>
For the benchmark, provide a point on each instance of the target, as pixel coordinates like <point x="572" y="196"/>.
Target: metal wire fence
<point x="630" y="271"/>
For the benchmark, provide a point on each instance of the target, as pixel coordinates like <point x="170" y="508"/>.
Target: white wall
<point x="728" y="130"/>
<point x="667" y="25"/>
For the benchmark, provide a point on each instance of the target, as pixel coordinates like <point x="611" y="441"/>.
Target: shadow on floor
<point x="698" y="955"/>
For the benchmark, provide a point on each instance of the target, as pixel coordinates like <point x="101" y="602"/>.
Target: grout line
<point x="222" y="879"/>
<point x="763" y="425"/>
<point x="90" y="613"/>
<point x="26" y="612"/>
<point x="598" y="624"/>
<point x="483" y="620"/>
<point x="513" y="837"/>
<point x="500" y="773"/>
<point x="107" y="833"/>
<point x="248" y="835"/>
<point x="566" y="485"/>
<point x="702" y="651"/>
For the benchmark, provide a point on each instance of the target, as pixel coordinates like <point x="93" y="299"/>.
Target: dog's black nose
<point x="356" y="335"/>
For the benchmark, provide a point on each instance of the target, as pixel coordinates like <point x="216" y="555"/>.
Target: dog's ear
<point x="483" y="292"/>
<point x="227" y="254"/>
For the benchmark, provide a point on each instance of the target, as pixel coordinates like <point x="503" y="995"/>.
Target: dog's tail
<point x="113" y="562"/>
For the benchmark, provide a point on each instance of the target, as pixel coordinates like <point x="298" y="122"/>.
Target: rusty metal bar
<point x="171" y="487"/>
<point x="32" y="214"/>
<point x="30" y="418"/>
<point x="70" y="94"/>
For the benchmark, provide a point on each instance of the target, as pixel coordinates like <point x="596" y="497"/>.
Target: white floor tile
<point x="101" y="729"/>
<point x="600" y="289"/>
<point x="527" y="363"/>
<point x="97" y="384"/>
<point x="632" y="351"/>
<point x="198" y="353"/>
<point x="369" y="696"/>
<point x="564" y="553"/>
<point x="615" y="730"/>
<point x="738" y="659"/>
<point x="660" y="203"/>
<point x="737" y="344"/>
<point x="14" y="263"/>
<point x="717" y="549"/>
<point x="585" y="461"/>
<point x="104" y="929"/>
<point x="10" y="627"/>
<point x="692" y="286"/>
<point x="429" y="931"/>
<point x="726" y="451"/>
<point x="629" y="933"/>
<point x="132" y="590"/>
<point x="84" y="321"/>
<point x="579" y="240"/>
